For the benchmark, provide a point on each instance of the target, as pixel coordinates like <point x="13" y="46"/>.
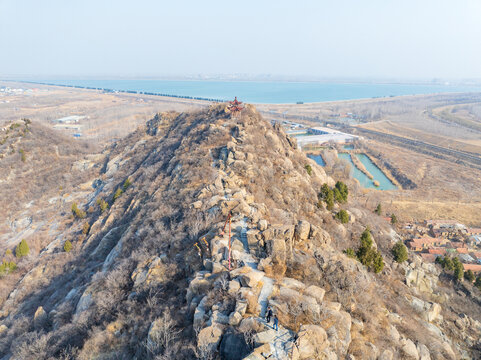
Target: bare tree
<point x="164" y="335"/>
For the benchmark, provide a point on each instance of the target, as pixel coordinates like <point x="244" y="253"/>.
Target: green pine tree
<point x="308" y="169"/>
<point x="400" y="252"/>
<point x="67" y="246"/>
<point x="117" y="194"/>
<point x="22" y="249"/>
<point x="343" y="216"/>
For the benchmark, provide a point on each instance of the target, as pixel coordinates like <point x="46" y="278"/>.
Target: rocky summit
<point x="135" y="263"/>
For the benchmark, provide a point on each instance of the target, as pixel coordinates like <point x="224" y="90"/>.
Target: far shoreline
<point x="217" y="100"/>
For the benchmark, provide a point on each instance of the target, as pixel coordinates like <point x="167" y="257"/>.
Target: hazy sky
<point x="370" y="38"/>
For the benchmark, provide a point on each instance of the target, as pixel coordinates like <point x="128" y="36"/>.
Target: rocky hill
<point x="147" y="274"/>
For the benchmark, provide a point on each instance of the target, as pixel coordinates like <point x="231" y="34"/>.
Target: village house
<point x="437" y="251"/>
<point x="475" y="268"/>
<point x="473" y="231"/>
<point x="419" y="244"/>
<point x="437" y="224"/>
<point x="457" y="244"/>
<point x="430" y="258"/>
<point x="465" y="258"/>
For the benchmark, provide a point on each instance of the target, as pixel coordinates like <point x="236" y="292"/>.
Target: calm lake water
<point x="384" y="182"/>
<point x="317" y="158"/>
<point x="268" y="92"/>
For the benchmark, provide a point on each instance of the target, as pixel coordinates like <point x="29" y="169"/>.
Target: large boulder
<point x="234" y="286"/>
<point x="419" y="279"/>
<point x="107" y="243"/>
<point x="316" y="292"/>
<point x="251" y="296"/>
<point x="319" y="237"/>
<point x="338" y="328"/>
<point x="289" y="295"/>
<point x="219" y="318"/>
<point x="265" y="337"/>
<point x="84" y="303"/>
<point x="433" y="312"/>
<point x="199" y="285"/>
<point x="262" y="225"/>
<point x="409" y="349"/>
<point x="233" y="347"/>
<point x="423" y="352"/>
<point x="209" y="338"/>
<point x="292" y="284"/>
<point x="40" y="318"/>
<point x="150" y="272"/>
<point x="302" y="230"/>
<point x="276" y="248"/>
<point x="254" y="356"/>
<point x="252" y="278"/>
<point x="235" y="318"/>
<point x="386" y="355"/>
<point x="252" y="237"/>
<point x="312" y="340"/>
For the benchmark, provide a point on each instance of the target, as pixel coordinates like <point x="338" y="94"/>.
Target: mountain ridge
<point x="135" y="286"/>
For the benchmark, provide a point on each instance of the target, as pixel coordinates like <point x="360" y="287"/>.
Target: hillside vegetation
<point x="144" y="274"/>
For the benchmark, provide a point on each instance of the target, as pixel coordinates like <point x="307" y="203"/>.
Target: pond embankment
<point x="391" y="172"/>
<point x="361" y="166"/>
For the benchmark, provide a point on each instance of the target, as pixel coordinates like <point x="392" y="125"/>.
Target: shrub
<point x="7" y="267"/>
<point x="67" y="246"/>
<point x="458" y="269"/>
<point x="22" y="249"/>
<point x="400" y="252"/>
<point x="378" y="209"/>
<point x="324" y="192"/>
<point x="127" y="183"/>
<point x="330" y="200"/>
<point x="343" y="216"/>
<point x="378" y="262"/>
<point x="448" y="263"/>
<point x="117" y="194"/>
<point x="78" y="213"/>
<point x="368" y="256"/>
<point x="328" y="195"/>
<point x="8" y="252"/>
<point x="103" y="205"/>
<point x="342" y="192"/>
<point x="393" y="219"/>
<point x="469" y="276"/>
<point x="22" y="153"/>
<point x="308" y="169"/>
<point x="350" y="253"/>
<point x="86" y="228"/>
<point x="453" y="264"/>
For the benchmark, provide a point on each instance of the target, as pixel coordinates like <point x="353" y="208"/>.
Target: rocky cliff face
<point x="150" y="278"/>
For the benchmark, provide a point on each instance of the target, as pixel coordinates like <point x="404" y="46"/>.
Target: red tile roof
<point x="462" y="250"/>
<point x="458" y="244"/>
<point x="426" y="240"/>
<point x="428" y="257"/>
<point x="474" y="268"/>
<point x="437" y="251"/>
